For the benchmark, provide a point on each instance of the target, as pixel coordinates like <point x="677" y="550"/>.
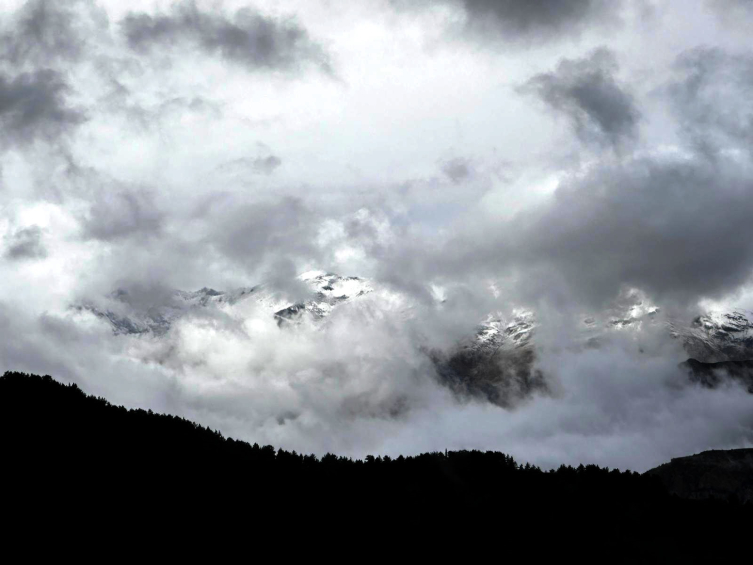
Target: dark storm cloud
<point x="123" y="214"/>
<point x="678" y="229"/>
<point x="587" y="93"/>
<point x="25" y="243"/>
<point x="248" y="37"/>
<point x="514" y="20"/>
<point x="42" y="31"/>
<point x="34" y="105"/>
<point x="713" y="98"/>
<point x="541" y="17"/>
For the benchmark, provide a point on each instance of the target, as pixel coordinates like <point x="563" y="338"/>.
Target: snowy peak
<point x="329" y="290"/>
<point x="496" y="332"/>
<point x="136" y="315"/>
<point x="332" y="285"/>
<point x="208" y="296"/>
<point x="718" y="336"/>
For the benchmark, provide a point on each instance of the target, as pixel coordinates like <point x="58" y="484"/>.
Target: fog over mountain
<point x="388" y="226"/>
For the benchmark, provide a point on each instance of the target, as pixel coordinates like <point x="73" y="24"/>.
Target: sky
<point x="563" y="154"/>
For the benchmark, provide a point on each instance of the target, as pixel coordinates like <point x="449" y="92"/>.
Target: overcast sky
<point x="564" y="152"/>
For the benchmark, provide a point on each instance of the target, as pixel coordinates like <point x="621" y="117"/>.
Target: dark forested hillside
<point x="63" y="449"/>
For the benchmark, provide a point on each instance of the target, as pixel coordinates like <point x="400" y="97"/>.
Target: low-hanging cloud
<point x="252" y="233"/>
<point x="536" y="17"/>
<point x="123" y="213"/>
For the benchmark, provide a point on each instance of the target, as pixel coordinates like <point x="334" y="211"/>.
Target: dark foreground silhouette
<point x="720" y="474"/>
<point x="77" y="462"/>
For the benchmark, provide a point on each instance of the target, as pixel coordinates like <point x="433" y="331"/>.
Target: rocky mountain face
<point x="712" y="474"/>
<point x="712" y="375"/>
<point x="716" y="337"/>
<point x="496" y="364"/>
<point x="720" y="347"/>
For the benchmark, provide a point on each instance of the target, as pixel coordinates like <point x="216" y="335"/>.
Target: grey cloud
<point x="730" y="11"/>
<point x="121" y="99"/>
<point x="256" y="232"/>
<point x="34" y="105"/>
<point x="282" y="275"/>
<point x="266" y="165"/>
<point x="41" y="31"/>
<point x="142" y="296"/>
<point x="522" y="17"/>
<point x="539" y="20"/>
<point x="457" y="170"/>
<point x="712" y="96"/>
<point x="26" y="243"/>
<point x="679" y="230"/>
<point x="587" y="93"/>
<point x="676" y="228"/>
<point x="117" y="214"/>
<point x="730" y="3"/>
<point x="248" y="37"/>
<point x="260" y="165"/>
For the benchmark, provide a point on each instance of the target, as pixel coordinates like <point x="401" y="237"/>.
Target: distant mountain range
<point x="497" y="363"/>
<point x="127" y="315"/>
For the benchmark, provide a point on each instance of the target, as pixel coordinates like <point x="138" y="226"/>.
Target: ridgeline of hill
<point x="63" y="449"/>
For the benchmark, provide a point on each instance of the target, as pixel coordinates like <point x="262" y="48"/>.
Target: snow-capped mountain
<point x="718" y="337"/>
<point x="326" y="291"/>
<point x="497" y="363"/>
<point x="329" y="291"/>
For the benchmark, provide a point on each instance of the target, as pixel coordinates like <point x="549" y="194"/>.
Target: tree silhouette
<point x="66" y="453"/>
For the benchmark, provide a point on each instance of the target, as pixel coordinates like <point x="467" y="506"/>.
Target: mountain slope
<point x="712" y="474"/>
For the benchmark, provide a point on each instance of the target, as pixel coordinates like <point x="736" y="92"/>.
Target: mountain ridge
<point x="496" y="363"/>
